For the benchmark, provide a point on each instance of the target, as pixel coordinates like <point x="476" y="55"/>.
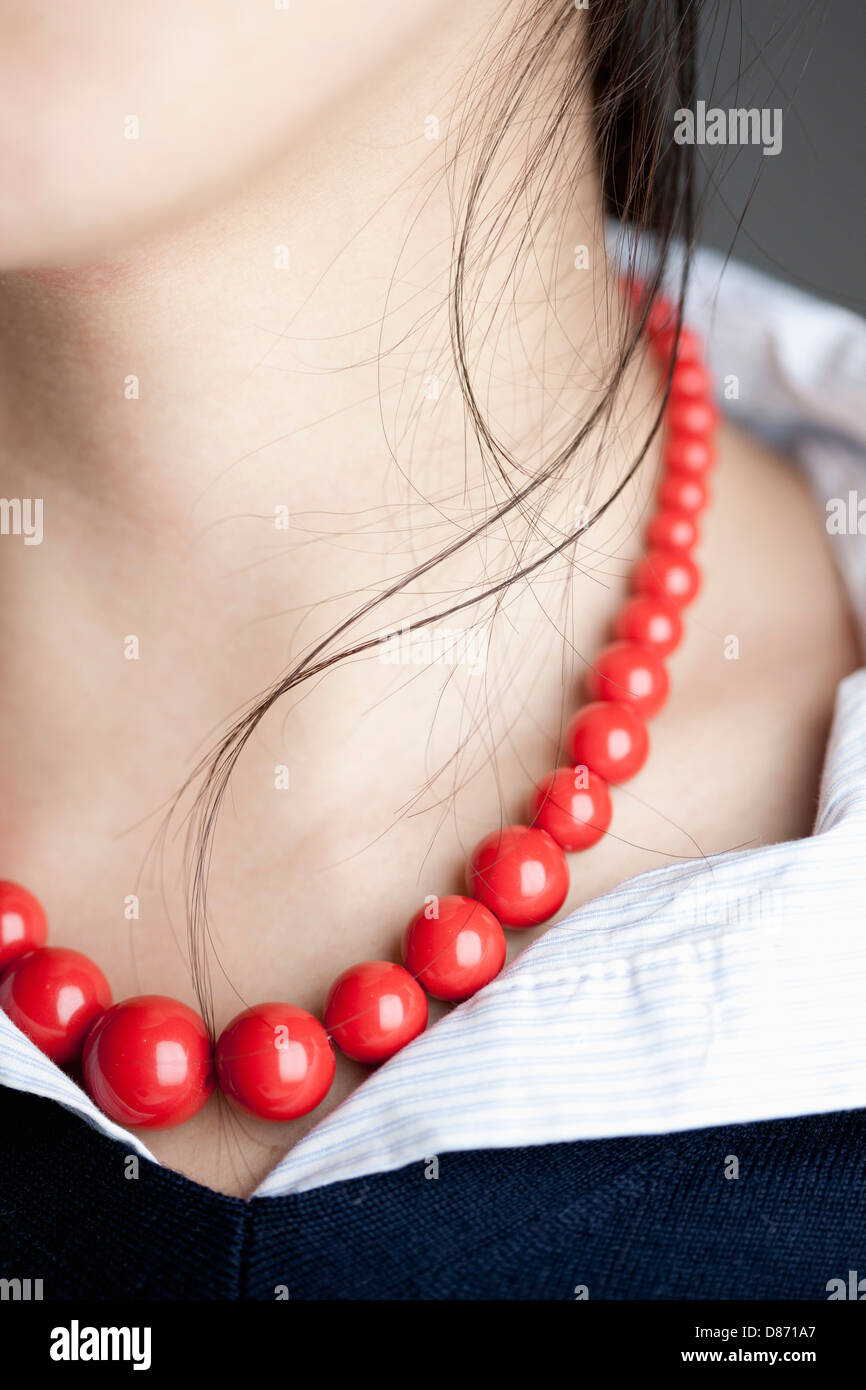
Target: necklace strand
<point x="148" y="1062"/>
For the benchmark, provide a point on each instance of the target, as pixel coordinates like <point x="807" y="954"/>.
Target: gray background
<point x="806" y="216"/>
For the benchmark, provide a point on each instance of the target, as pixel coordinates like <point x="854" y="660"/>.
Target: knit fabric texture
<point x="656" y="1217"/>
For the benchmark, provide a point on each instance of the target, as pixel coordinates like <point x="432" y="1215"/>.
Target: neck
<point x="291" y="345"/>
<point x="243" y="429"/>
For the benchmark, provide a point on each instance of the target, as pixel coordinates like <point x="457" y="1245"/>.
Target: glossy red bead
<point x="520" y="874"/>
<point x="679" y="492"/>
<point x="690" y="381"/>
<point x="631" y="675"/>
<point x="374" y="1009"/>
<point x="455" y="952"/>
<point x="688" y="454"/>
<point x="22" y="922"/>
<point x="650" y="621"/>
<point x="672" y="530"/>
<point x="696" y="418"/>
<point x="275" y="1061"/>
<point x="661" y="315"/>
<point x="573" y="805"/>
<point x="670" y="574"/>
<point x="610" y="739"/>
<point x="688" y="347"/>
<point x="54" y="995"/>
<point x="147" y="1062"/>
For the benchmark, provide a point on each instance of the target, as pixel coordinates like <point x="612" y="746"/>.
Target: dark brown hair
<point x="634" y="62"/>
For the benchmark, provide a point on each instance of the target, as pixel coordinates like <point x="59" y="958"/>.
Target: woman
<point x="328" y="388"/>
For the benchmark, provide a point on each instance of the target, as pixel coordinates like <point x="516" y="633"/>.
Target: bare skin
<point x="159" y="525"/>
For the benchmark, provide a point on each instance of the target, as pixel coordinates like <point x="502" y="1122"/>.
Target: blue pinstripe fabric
<point x="710" y="992"/>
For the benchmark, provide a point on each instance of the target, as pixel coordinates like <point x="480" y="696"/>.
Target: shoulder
<point x="769" y="559"/>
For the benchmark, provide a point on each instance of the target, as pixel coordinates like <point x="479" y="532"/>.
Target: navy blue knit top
<point x="650" y="1217"/>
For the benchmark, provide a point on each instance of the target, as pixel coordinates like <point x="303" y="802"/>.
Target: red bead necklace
<point x="148" y="1062"/>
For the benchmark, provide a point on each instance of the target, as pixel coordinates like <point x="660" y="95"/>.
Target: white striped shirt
<point x="702" y="993"/>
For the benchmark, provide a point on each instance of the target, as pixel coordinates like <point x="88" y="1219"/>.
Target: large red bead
<point x="688" y="347"/>
<point x="672" y="530"/>
<point x="630" y="675"/>
<point x="22" y="922"/>
<point x="686" y="416"/>
<point x="689" y="455"/>
<point x="690" y="381"/>
<point x="573" y="805"/>
<point x="456" y="952"/>
<point x="661" y="314"/>
<point x="650" y="621"/>
<point x="609" y="738"/>
<point x="668" y="574"/>
<point x="679" y="492"/>
<point x="373" y="1009"/>
<point x="275" y="1061"/>
<point x="520" y="874"/>
<point x="54" y="995"/>
<point x="147" y="1062"/>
